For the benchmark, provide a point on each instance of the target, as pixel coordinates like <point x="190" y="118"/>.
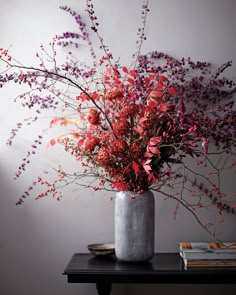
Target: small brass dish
<point x="102" y="249"/>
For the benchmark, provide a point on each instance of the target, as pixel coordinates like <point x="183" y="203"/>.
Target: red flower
<point x="93" y="117"/>
<point x="115" y="94"/>
<point x="136" y="150"/>
<point x="121" y="186"/>
<point x="91" y="143"/>
<point x="119" y="183"/>
<point x="118" y="147"/>
<point x="104" y="157"/>
<point x="121" y="127"/>
<point x="146" y="123"/>
<point x="129" y="111"/>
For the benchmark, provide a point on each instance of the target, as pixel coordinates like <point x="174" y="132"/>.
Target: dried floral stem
<point x="64" y="78"/>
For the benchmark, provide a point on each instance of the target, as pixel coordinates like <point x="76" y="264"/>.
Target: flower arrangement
<point x="131" y="128"/>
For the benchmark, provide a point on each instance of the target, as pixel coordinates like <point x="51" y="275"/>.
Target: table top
<point x="162" y="268"/>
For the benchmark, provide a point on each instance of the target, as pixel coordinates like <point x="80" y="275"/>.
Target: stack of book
<point x="210" y="254"/>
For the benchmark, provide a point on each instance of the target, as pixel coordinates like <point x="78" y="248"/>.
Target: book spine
<point x="210" y="263"/>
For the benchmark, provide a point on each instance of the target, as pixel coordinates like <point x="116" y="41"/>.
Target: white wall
<point x="38" y="238"/>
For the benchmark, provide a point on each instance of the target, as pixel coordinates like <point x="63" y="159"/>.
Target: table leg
<point x="103" y="287"/>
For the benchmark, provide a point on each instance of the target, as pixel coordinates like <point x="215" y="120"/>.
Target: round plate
<point x="102" y="249"/>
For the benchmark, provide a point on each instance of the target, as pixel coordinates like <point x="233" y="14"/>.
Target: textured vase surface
<point x="134" y="226"/>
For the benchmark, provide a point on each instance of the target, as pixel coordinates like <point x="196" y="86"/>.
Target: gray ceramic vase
<point x="134" y="226"/>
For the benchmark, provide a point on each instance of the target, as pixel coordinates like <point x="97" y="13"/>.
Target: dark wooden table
<point x="164" y="268"/>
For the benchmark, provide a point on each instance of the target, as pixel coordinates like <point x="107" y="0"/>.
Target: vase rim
<point x="132" y="193"/>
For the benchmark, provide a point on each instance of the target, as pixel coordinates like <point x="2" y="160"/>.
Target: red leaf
<point x="152" y="103"/>
<point x="83" y="97"/>
<point x="172" y="90"/>
<point x="154" y="150"/>
<point x="155" y="140"/>
<point x="135" y="167"/>
<point x="147" y="168"/>
<point x="148" y="155"/>
<point x="162" y="78"/>
<point x="151" y="178"/>
<point x="125" y="70"/>
<point x="80" y="142"/>
<point x="131" y="81"/>
<point x="156" y="93"/>
<point x="163" y="107"/>
<point x="138" y="129"/>
<point x="52" y="142"/>
<point x="148" y="161"/>
<point x="160" y="85"/>
<point x="133" y="73"/>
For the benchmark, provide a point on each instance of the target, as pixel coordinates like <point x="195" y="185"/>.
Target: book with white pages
<point x="208" y="247"/>
<point x="204" y="255"/>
